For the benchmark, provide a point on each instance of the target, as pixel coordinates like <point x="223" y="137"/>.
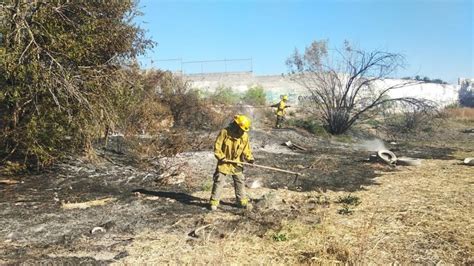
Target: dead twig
<point x="195" y="232"/>
<point x="8" y="182"/>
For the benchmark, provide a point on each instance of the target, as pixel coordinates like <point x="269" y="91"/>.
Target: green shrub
<point x="452" y="106"/>
<point x="279" y="237"/>
<point x="63" y="75"/>
<point x="255" y="96"/>
<point x="349" y="200"/>
<point x="344" y="138"/>
<point x="373" y="123"/>
<point x="345" y="210"/>
<point x="346" y="202"/>
<point x="313" y="126"/>
<point x="207" y="185"/>
<point x="225" y="95"/>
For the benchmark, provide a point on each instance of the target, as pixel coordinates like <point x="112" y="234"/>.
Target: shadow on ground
<point x="182" y="198"/>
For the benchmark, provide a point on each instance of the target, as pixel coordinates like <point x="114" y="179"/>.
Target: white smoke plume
<point x="371" y="145"/>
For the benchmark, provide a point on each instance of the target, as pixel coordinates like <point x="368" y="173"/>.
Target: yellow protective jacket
<point x="281" y="106"/>
<point x="230" y="147"/>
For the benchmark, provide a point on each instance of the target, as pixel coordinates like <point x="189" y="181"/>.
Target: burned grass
<point x="403" y="214"/>
<point x="343" y="170"/>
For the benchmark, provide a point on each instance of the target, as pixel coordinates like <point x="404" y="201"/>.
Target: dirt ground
<point x="344" y="210"/>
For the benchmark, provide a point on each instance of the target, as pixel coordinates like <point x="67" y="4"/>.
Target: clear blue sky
<point x="436" y="37"/>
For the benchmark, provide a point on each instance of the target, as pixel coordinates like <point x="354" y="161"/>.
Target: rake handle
<point x="264" y="167"/>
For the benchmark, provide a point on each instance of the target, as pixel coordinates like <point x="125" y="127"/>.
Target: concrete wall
<point x="276" y="85"/>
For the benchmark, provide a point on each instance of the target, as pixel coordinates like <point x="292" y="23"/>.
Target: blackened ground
<point x="34" y="227"/>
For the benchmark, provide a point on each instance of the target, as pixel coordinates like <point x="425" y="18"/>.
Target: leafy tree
<point x="62" y="74"/>
<point x="255" y="96"/>
<point x="346" y="84"/>
<point x="225" y="95"/>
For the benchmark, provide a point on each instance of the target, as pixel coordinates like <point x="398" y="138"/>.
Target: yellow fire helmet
<point x="243" y="122"/>
<point x="285" y="98"/>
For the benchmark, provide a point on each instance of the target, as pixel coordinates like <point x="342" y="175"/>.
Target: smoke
<point x="254" y="113"/>
<point x="256" y="183"/>
<point x="371" y="145"/>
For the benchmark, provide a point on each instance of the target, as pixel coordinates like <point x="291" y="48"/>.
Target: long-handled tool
<point x="268" y="168"/>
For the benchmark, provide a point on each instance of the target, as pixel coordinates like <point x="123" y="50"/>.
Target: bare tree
<point x="466" y="93"/>
<point x="346" y="84"/>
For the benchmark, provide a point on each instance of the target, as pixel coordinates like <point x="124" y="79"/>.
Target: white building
<point x="276" y="85"/>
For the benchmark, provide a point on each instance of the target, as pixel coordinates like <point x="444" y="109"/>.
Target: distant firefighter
<point x="280" y="111"/>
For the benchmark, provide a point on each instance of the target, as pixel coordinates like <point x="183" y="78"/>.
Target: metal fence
<point x="206" y="66"/>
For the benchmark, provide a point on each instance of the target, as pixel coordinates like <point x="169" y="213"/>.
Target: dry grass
<point x="325" y="163"/>
<point x="303" y="245"/>
<point x="423" y="214"/>
<point x="461" y="155"/>
<point x="462" y="114"/>
<point x="415" y="215"/>
<point x="8" y="182"/>
<point x="86" y="204"/>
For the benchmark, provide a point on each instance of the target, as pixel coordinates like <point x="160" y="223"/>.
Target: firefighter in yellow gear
<point x="232" y="144"/>
<point x="281" y="110"/>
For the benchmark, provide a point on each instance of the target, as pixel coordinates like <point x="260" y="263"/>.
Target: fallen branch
<point x="289" y="144"/>
<point x="8" y="182"/>
<point x="87" y="204"/>
<point x="97" y="229"/>
<point x="194" y="233"/>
